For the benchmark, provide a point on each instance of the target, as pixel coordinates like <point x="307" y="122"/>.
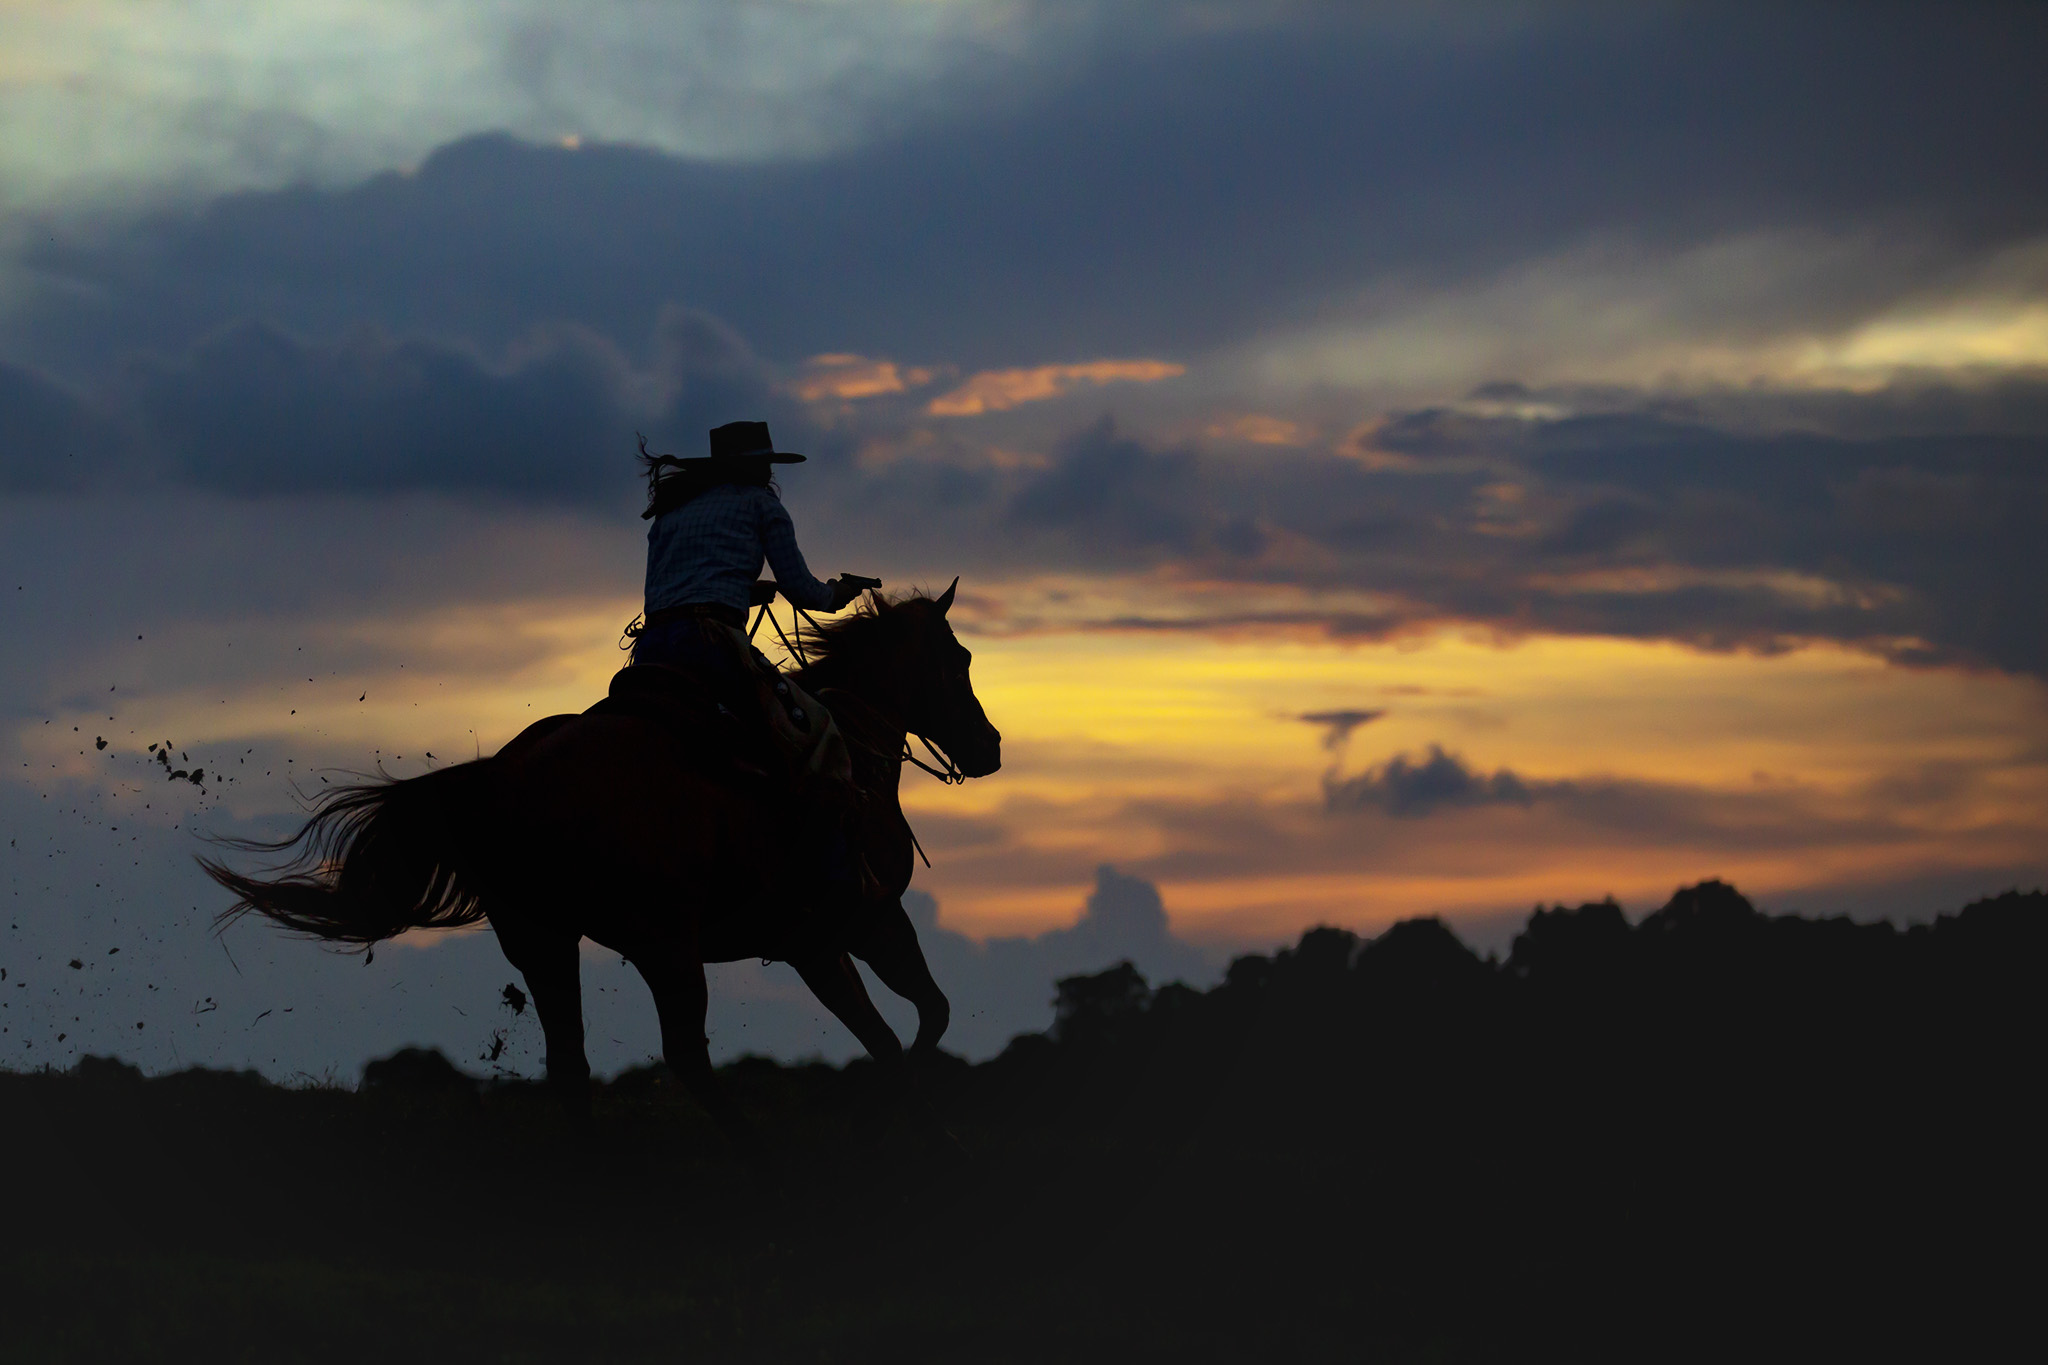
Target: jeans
<point x="691" y="645"/>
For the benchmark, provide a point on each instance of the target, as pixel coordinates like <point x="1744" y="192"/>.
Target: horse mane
<point x="860" y="633"/>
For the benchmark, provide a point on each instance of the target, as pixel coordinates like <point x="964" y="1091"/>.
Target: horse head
<point x="910" y="661"/>
<point x="940" y="694"/>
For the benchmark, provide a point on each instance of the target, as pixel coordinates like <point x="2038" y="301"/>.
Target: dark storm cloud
<point x="251" y="409"/>
<point x="1107" y="488"/>
<point x="1920" y="538"/>
<point x="502" y="319"/>
<point x="1711" y="525"/>
<point x="1650" y="523"/>
<point x="1168" y="189"/>
<point x="1110" y="498"/>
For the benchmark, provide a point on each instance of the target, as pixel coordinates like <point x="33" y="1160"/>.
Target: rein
<point x="836" y="700"/>
<point x="948" y="772"/>
<point x="792" y="641"/>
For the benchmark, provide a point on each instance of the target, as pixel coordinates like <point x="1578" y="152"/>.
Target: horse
<point x="615" y="827"/>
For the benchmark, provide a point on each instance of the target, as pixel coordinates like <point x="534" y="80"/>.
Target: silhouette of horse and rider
<point x="710" y="808"/>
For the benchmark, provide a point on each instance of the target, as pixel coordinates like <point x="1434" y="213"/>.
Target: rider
<point x="716" y="518"/>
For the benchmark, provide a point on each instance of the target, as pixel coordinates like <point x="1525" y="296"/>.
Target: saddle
<point x="719" y="743"/>
<point x="711" y="733"/>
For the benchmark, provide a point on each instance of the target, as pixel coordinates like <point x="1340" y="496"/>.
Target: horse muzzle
<point x="979" y="757"/>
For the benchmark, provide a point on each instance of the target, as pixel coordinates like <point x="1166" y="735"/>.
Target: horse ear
<point x="945" y="599"/>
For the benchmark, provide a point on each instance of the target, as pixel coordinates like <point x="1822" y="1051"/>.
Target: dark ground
<point x="1712" y="1136"/>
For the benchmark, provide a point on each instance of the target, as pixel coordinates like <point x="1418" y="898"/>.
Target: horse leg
<point x="899" y="962"/>
<point x="553" y="976"/>
<point x="681" y="998"/>
<point x="837" y="984"/>
<point x="892" y="952"/>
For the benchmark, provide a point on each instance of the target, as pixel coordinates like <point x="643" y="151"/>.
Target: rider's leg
<point x="825" y="809"/>
<point x="697" y="646"/>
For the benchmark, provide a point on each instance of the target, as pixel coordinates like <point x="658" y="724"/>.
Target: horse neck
<point x="864" y="683"/>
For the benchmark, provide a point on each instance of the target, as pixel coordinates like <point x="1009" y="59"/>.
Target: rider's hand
<point x="848" y="586"/>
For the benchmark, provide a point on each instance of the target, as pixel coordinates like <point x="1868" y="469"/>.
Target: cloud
<point x="1338" y="725"/>
<point x="1792" y="308"/>
<point x="852" y="377"/>
<point x="1001" y="390"/>
<point x="110" y="99"/>
<point x="1143" y="188"/>
<point x="431" y="362"/>
<point x="1262" y="429"/>
<point x="1004" y="986"/>
<point x="1439" y="782"/>
<point x="1119" y="492"/>
<point x="1900" y="521"/>
<point x="1719" y="524"/>
<point x="1915" y="546"/>
<point x="1238" y="849"/>
<point x="493" y="322"/>
<point x="1123" y="917"/>
<point x="252" y="409"/>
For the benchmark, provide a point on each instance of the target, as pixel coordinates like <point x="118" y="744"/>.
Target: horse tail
<point x="377" y="858"/>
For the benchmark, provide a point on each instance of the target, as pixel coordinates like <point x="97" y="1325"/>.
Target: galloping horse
<point x="616" y="828"/>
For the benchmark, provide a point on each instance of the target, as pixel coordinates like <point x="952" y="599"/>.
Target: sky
<point x="1399" y="459"/>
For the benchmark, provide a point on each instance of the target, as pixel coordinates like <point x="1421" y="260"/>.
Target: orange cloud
<point x="1262" y="429"/>
<point x="847" y="377"/>
<point x="1001" y="390"/>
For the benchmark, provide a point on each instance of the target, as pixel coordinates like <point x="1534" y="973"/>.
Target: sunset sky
<point x="1399" y="459"/>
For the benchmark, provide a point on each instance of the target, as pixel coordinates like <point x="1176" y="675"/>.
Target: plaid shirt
<point x="710" y="550"/>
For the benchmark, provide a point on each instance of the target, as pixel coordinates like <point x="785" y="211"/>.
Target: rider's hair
<point x="671" y="481"/>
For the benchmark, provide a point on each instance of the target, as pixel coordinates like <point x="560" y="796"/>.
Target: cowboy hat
<point x="747" y="441"/>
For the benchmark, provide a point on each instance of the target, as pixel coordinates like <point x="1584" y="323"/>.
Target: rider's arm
<point x="778" y="540"/>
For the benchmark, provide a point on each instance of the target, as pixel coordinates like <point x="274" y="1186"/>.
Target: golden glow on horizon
<point x="1183" y="756"/>
<point x="1103" y="770"/>
<point x="1549" y="707"/>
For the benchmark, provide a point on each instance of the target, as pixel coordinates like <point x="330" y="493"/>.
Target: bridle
<point x="792" y="641"/>
<point x="947" y="772"/>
